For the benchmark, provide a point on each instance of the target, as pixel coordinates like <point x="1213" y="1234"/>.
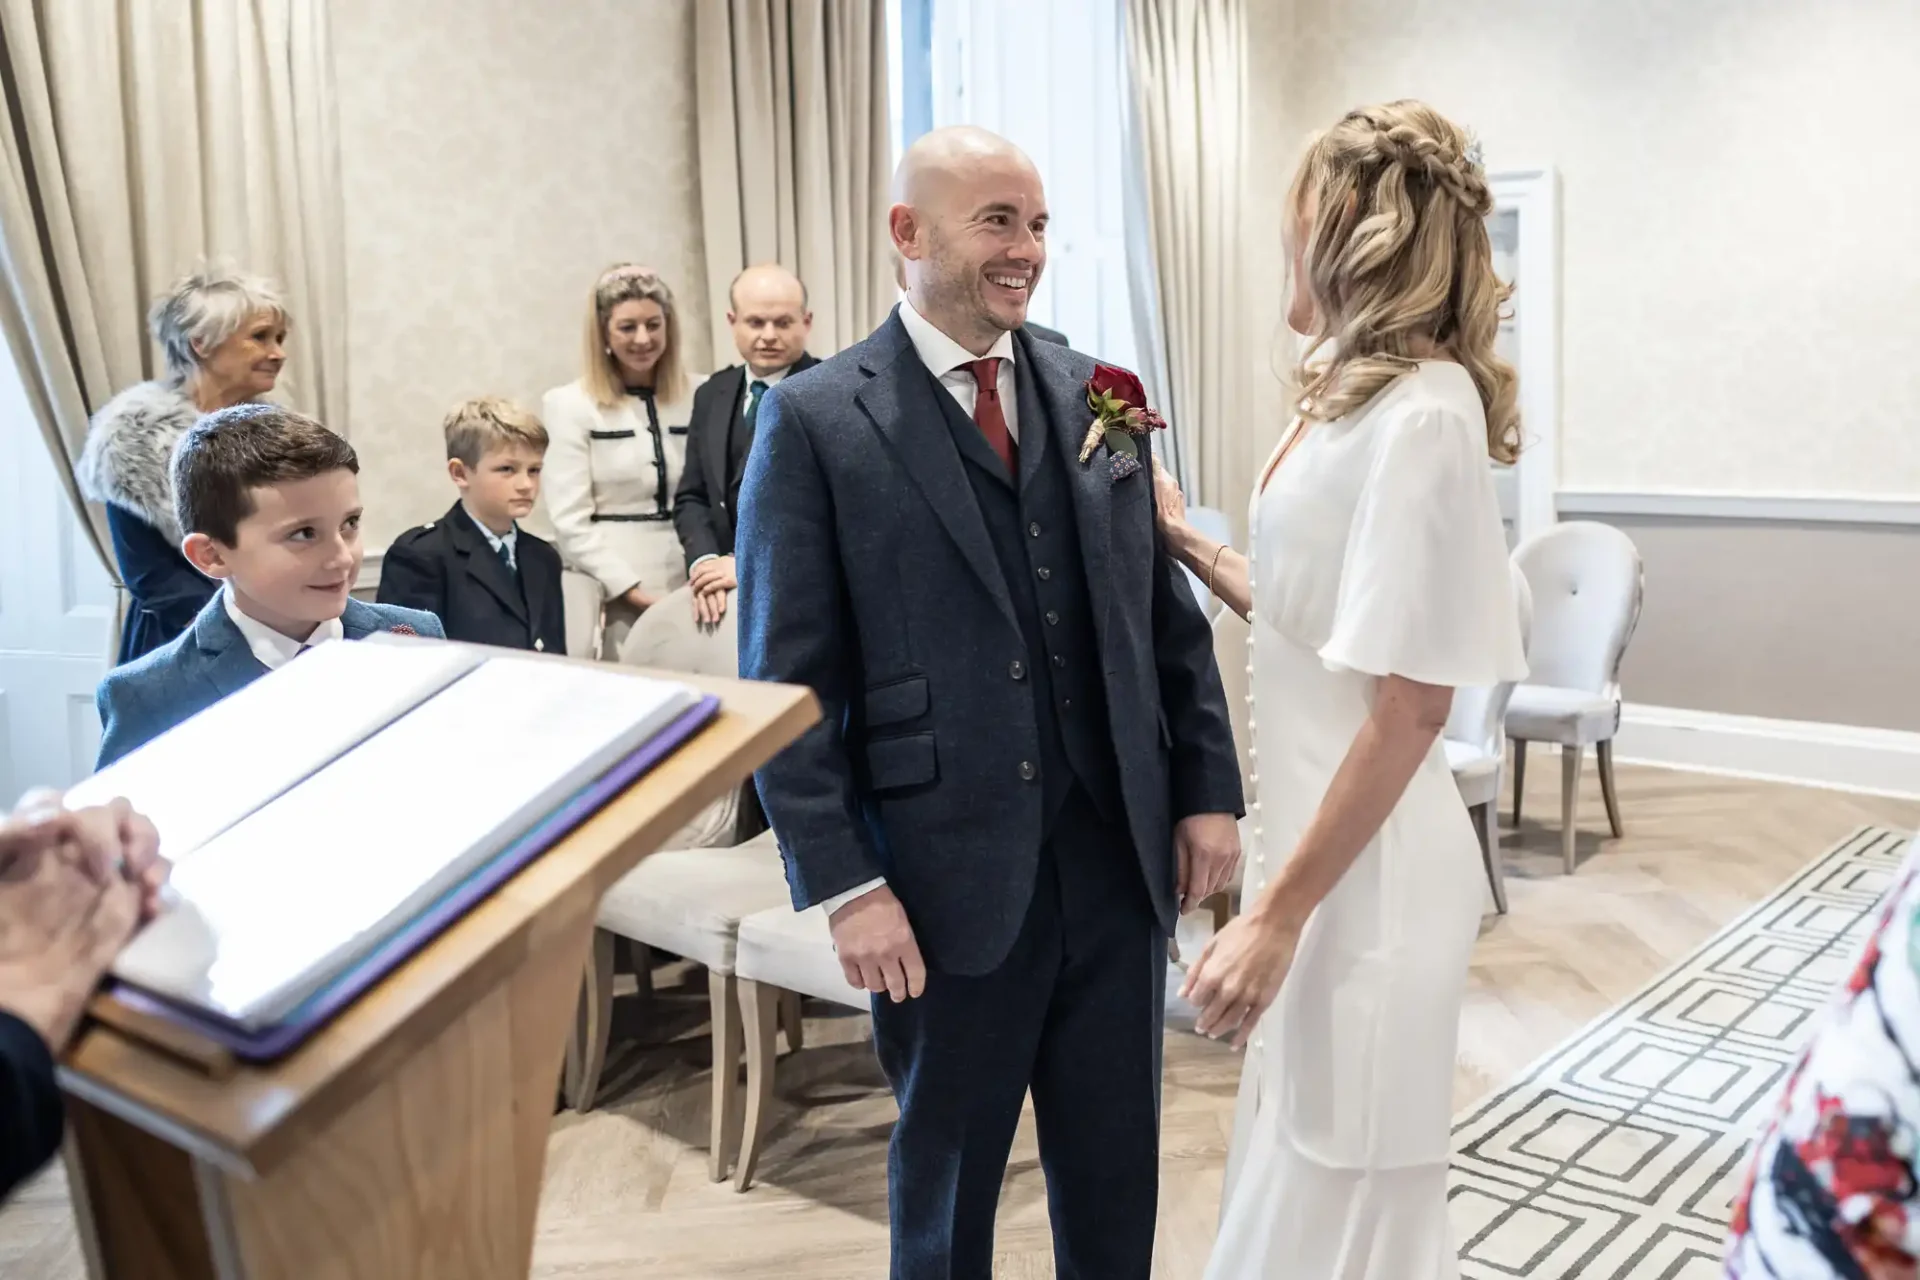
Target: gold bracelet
<point x="1215" y="565"/>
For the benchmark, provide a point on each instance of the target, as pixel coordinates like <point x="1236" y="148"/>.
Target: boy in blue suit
<point x="270" y="502"/>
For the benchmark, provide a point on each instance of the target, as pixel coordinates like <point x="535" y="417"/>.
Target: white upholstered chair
<point x="781" y="955"/>
<point x="1587" y="589"/>
<point x="690" y="898"/>
<point x="1475" y="741"/>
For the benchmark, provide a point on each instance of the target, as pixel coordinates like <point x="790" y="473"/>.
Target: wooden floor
<point x="627" y="1193"/>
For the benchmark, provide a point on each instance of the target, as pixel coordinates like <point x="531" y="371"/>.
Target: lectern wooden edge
<point x="407" y="1139"/>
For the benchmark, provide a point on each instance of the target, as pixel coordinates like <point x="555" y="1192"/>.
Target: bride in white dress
<point x="1379" y="584"/>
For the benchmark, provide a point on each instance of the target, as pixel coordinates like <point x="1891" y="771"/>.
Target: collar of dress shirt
<point x="496" y="541"/>
<point x="941" y="354"/>
<point x="269" y="646"/>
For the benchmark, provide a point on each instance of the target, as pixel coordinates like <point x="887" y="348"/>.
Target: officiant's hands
<point x="72" y="891"/>
<point x="109" y="840"/>
<point x="876" y="946"/>
<point x="1206" y="847"/>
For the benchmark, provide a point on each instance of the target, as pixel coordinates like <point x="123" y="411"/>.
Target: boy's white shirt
<point x="269" y="646"/>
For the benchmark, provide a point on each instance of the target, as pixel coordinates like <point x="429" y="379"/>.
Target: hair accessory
<point x="1475" y="156"/>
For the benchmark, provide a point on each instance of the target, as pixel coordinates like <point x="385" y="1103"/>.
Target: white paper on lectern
<point x="205" y="774"/>
<point x="279" y="904"/>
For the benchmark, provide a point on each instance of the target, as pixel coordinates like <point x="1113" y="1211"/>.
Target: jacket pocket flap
<point x="905" y="761"/>
<point x="897" y="700"/>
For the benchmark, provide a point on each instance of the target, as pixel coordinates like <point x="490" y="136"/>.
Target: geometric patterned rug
<point x="1617" y="1156"/>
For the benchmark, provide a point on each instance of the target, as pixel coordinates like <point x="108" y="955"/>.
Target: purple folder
<point x="267" y="1044"/>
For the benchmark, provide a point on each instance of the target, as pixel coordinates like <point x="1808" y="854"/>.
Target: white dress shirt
<point x="746" y="385"/>
<point x="947" y="360"/>
<point x="269" y="646"/>
<point x="511" y="541"/>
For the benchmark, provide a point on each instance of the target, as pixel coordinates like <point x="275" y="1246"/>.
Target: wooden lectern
<point x="407" y="1139"/>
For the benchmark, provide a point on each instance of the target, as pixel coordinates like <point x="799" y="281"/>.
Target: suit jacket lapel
<point x="899" y="397"/>
<point x="483" y="563"/>
<point x="1061" y="399"/>
<point x="230" y="664"/>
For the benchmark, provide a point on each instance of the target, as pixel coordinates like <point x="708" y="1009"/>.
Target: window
<point x="987" y="62"/>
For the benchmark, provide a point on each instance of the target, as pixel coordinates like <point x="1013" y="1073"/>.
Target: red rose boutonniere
<point x="1120" y="413"/>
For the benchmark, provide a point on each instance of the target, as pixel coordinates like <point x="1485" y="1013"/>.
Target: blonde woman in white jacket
<point x="618" y="442"/>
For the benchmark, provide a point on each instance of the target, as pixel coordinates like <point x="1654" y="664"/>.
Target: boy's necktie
<point x="506" y="556"/>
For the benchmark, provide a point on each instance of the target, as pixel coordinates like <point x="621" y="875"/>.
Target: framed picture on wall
<point x="1524" y="229"/>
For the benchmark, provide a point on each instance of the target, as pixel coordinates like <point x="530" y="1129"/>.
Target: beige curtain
<point x="796" y="155"/>
<point x="141" y="139"/>
<point x="1187" y="61"/>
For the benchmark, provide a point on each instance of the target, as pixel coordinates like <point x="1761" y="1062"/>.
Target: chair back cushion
<point x="1586" y="583"/>
<point x="1478" y="714"/>
<point x="667" y="638"/>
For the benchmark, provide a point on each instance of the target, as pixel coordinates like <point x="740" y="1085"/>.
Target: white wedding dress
<point x="1377" y="549"/>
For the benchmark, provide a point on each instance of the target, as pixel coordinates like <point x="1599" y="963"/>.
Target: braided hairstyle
<point x="1393" y="210"/>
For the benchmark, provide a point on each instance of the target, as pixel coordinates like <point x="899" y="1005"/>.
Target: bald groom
<point x="1024" y="768"/>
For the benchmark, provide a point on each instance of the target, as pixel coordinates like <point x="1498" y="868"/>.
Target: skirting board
<point x="1883" y="762"/>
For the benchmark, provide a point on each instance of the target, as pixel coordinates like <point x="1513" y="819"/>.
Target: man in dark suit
<point x="1025" y="767"/>
<point x="488" y="580"/>
<point x="767" y="310"/>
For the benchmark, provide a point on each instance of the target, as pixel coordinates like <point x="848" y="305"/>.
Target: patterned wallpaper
<point x="1740" y="280"/>
<point x="495" y="155"/>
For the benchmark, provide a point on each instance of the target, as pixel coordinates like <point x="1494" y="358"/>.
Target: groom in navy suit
<point x="1025" y="768"/>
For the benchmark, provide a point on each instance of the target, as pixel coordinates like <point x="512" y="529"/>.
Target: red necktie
<point x="989" y="416"/>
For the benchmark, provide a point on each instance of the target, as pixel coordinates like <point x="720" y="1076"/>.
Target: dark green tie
<point x="756" y="391"/>
<point x="506" y="556"/>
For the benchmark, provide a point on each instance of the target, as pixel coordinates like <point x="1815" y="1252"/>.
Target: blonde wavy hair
<point x="1397" y="253"/>
<point x="620" y="283"/>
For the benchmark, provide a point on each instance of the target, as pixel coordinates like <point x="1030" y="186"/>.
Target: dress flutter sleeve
<point x="1426" y="591"/>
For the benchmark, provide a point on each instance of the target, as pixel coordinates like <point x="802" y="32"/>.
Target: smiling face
<point x="294" y="559"/>
<point x="972" y="225"/>
<point x="247" y="364"/>
<point x="637" y="337"/>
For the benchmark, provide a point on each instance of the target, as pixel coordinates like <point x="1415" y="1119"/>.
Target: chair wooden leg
<point x="1605" y="753"/>
<point x="1570" y="760"/>
<point x="792" y="1021"/>
<point x="724" y="1141"/>
<point x="588" y="1054"/>
<point x="1222" y="905"/>
<point x="760" y="1007"/>
<point x="1483" y="823"/>
<point x="1519" y="776"/>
